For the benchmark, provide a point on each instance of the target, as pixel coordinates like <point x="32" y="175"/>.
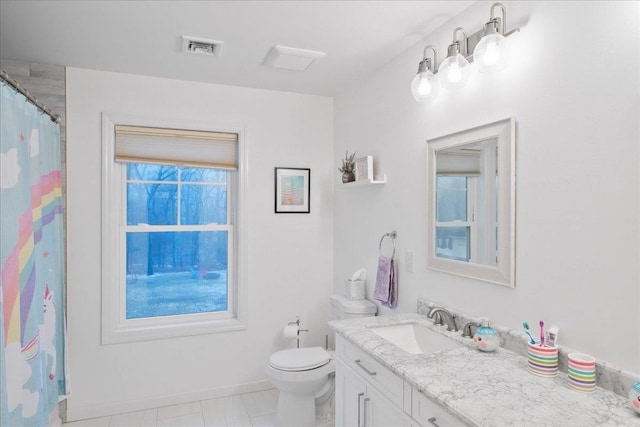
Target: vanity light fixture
<point x="425" y="84"/>
<point x="455" y="69"/>
<point x="488" y="48"/>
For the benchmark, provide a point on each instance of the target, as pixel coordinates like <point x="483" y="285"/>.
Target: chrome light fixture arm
<point x="426" y="64"/>
<point x="503" y="22"/>
<point x="454" y="48"/>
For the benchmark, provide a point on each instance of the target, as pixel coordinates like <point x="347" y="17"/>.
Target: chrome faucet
<point x="438" y="314"/>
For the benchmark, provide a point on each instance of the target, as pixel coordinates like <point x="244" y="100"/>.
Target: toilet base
<point x="300" y="391"/>
<point x="296" y="410"/>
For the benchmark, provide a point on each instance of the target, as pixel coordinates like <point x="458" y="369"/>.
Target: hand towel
<point x="386" y="290"/>
<point x="393" y="285"/>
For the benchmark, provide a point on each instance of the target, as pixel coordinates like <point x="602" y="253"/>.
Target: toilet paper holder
<point x="297" y="323"/>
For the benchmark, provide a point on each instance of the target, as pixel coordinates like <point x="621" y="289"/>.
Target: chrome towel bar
<point x="391" y="235"/>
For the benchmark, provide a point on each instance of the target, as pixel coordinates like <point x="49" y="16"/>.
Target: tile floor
<point x="245" y="410"/>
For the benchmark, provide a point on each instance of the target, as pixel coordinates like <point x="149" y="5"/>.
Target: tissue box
<point x="354" y="289"/>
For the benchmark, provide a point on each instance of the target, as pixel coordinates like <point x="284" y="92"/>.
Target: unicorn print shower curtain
<point x="32" y="323"/>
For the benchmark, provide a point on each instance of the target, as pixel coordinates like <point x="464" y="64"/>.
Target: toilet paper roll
<point x="290" y="331"/>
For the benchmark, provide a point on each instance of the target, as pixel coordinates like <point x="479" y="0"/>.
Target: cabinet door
<point x="428" y="413"/>
<point x="350" y="394"/>
<point x="380" y="412"/>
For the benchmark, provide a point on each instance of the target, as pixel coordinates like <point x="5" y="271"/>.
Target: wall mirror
<point x="471" y="203"/>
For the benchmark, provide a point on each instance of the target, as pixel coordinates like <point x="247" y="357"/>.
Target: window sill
<point x="132" y="332"/>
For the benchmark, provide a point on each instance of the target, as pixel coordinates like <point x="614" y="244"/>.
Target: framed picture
<point x="293" y="186"/>
<point x="364" y="168"/>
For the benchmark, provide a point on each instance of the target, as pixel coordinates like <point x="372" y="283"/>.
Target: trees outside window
<point x="177" y="240"/>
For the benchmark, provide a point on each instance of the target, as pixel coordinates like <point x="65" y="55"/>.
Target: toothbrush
<point x="525" y="325"/>
<point x="541" y="333"/>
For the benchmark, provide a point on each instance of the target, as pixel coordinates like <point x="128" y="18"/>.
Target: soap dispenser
<point x="486" y="337"/>
<point x="634" y="397"/>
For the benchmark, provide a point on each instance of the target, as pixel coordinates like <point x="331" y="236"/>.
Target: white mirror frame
<point x="504" y="272"/>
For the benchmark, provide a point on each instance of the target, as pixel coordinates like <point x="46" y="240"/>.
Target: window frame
<point x="116" y="328"/>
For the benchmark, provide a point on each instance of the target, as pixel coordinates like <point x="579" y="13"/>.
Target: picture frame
<point x="364" y="168"/>
<point x="292" y="190"/>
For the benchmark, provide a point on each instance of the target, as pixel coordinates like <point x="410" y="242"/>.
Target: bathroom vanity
<point x="385" y="383"/>
<point x="369" y="394"/>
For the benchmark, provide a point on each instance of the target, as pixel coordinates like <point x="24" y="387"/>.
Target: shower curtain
<point x="32" y="320"/>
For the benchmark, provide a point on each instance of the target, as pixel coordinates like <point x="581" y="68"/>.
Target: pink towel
<point x="386" y="290"/>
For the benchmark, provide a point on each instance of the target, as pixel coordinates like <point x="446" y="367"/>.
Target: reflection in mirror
<point x="466" y="203"/>
<point x="470" y="202"/>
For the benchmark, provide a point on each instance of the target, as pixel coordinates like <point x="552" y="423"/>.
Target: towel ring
<point x="392" y="235"/>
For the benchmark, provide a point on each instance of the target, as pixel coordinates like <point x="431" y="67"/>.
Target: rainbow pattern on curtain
<point x="32" y="321"/>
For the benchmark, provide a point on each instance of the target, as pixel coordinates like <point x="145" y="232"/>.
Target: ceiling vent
<point x="201" y="46"/>
<point x="289" y="58"/>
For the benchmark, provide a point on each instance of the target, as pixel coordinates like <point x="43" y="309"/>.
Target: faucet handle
<point x="466" y="331"/>
<point x="437" y="319"/>
<point x="451" y="326"/>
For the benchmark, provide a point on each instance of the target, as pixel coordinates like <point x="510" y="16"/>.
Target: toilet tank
<point x="342" y="308"/>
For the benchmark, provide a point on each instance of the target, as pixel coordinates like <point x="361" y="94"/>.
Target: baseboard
<point x="112" y="408"/>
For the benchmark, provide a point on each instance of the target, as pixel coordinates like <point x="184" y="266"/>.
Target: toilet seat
<point x="299" y="359"/>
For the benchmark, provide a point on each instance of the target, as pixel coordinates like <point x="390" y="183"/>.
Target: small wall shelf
<point x="365" y="182"/>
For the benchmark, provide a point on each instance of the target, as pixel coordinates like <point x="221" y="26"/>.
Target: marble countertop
<point x="487" y="389"/>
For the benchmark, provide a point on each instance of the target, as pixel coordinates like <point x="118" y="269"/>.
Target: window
<point x="177" y="240"/>
<point x="455" y="224"/>
<point x="169" y="235"/>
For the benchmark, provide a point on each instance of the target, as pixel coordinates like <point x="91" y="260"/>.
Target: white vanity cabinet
<point x="370" y="395"/>
<point x="361" y="404"/>
<point x="426" y="413"/>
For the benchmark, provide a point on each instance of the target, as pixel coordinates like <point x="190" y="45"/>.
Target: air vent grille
<point x="201" y="46"/>
<point x="290" y="58"/>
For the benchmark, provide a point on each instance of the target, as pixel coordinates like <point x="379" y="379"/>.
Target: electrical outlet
<point x="408" y="260"/>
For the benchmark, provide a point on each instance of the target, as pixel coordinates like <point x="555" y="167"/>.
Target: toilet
<point x="304" y="376"/>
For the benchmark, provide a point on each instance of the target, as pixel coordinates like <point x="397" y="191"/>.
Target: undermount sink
<point x="415" y="338"/>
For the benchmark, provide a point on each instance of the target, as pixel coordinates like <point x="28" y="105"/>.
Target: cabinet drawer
<point x="388" y="383"/>
<point x="429" y="414"/>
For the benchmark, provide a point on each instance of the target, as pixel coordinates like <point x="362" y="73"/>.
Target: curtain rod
<point x="16" y="86"/>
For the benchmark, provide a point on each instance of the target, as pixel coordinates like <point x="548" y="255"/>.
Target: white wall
<point x="573" y="88"/>
<point x="289" y="257"/>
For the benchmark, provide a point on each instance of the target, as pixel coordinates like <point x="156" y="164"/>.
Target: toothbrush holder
<point x="542" y="361"/>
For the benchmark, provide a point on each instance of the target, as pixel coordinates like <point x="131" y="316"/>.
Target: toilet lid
<point x="299" y="359"/>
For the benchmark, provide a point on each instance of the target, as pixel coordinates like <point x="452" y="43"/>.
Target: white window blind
<point x="458" y="163"/>
<point x="138" y="144"/>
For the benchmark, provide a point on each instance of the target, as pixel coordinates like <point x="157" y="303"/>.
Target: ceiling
<point x="143" y="37"/>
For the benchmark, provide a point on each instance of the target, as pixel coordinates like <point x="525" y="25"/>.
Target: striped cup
<point x="581" y="372"/>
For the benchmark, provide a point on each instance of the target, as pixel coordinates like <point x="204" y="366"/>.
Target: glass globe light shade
<point x="454" y="71"/>
<point x="424" y="86"/>
<point x="492" y="53"/>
